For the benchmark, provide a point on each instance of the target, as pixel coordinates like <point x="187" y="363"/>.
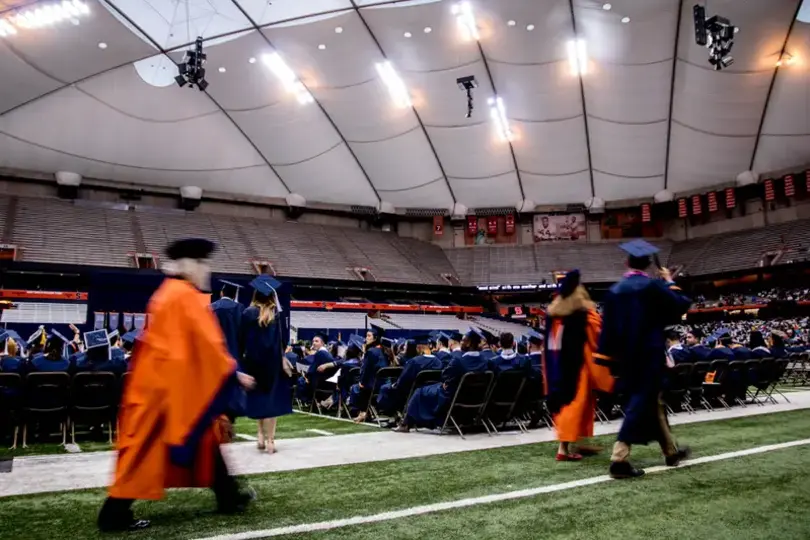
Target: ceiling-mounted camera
<point x="468" y="84"/>
<point x="716" y="34"/>
<point x="191" y="70"/>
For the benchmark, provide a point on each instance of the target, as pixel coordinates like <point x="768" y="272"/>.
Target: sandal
<point x="569" y="457"/>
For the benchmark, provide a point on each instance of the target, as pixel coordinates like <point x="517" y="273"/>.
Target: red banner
<point x="362" y="306"/>
<point x="769" y="193"/>
<point x="492" y="225"/>
<point x="807" y="180"/>
<point x="682" y="208"/>
<point x="731" y="200"/>
<point x="697" y="206"/>
<point x="645" y="213"/>
<point x="712" y="198"/>
<point x="42" y="295"/>
<point x="438" y="225"/>
<point x="790" y="187"/>
<point x="472" y="225"/>
<point x="509" y="224"/>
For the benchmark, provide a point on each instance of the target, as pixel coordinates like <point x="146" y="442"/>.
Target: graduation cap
<point x="130" y="337"/>
<point x="422" y="340"/>
<point x="190" y="248"/>
<point x="230" y="289"/>
<point x="474" y="337"/>
<point x="387" y="342"/>
<point x="443" y="339"/>
<point x="267" y="286"/>
<point x="491" y="338"/>
<point x="356" y="341"/>
<point x="97" y="339"/>
<point x="640" y="251"/>
<point x="12" y="334"/>
<point x="569" y="283"/>
<point x="112" y="335"/>
<point x="535" y="337"/>
<point x="456" y="336"/>
<point x="38" y="336"/>
<point x="323" y="334"/>
<point x="66" y="342"/>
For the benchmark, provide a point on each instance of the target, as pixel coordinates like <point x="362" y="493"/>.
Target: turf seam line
<point x="487" y="499"/>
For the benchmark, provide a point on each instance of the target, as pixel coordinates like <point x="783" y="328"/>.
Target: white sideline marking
<point x="316" y="415"/>
<point x="247" y="437"/>
<point x="320" y="432"/>
<point x="487" y="499"/>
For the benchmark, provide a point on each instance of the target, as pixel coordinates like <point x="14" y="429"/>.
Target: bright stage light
<point x="497" y="111"/>
<point x="578" y="56"/>
<point x="287" y="77"/>
<point x="466" y="20"/>
<point x="43" y="15"/>
<point x="396" y="87"/>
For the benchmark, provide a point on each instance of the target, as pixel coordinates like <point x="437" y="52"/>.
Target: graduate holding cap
<point x="264" y="359"/>
<point x="229" y="314"/>
<point x="171" y="414"/>
<point x="637" y="310"/>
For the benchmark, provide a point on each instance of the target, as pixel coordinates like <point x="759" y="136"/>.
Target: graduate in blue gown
<point x="319" y="367"/>
<point x="262" y="337"/>
<point x="229" y="314"/>
<point x="393" y="395"/>
<point x="489" y="348"/>
<point x="428" y="405"/>
<point x="721" y="350"/>
<point x="756" y="342"/>
<point x="379" y="354"/>
<point x="353" y="359"/>
<point x="455" y="345"/>
<point x="508" y="359"/>
<point x="676" y="351"/>
<point x="11" y="360"/>
<point x="637" y="310"/>
<point x="443" y="349"/>
<point x="52" y="358"/>
<point x="98" y="355"/>
<point x="698" y="352"/>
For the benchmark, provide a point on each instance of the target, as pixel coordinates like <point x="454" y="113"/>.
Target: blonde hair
<point x="12" y="347"/>
<point x="267" y="308"/>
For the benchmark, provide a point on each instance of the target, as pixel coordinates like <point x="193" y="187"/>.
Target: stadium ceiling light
<point x="428" y="29"/>
<point x="222" y="70"/>
<point x="407" y="34"/>
<point x="339" y="30"/>
<point x="252" y="60"/>
<point x="287" y="77"/>
<point x="497" y="112"/>
<point x="510" y="23"/>
<point x="44" y="15"/>
<point x="625" y="20"/>
<point x="321" y="47"/>
<point x="465" y="18"/>
<point x="530" y="27"/>
<point x="396" y="87"/>
<point x="578" y="56"/>
<point x="607" y="6"/>
<point x="102" y="45"/>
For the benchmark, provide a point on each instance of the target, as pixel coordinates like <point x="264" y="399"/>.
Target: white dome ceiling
<point x="633" y="125"/>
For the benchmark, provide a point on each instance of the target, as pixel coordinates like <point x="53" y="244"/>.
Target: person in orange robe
<point x="180" y="383"/>
<point x="570" y="373"/>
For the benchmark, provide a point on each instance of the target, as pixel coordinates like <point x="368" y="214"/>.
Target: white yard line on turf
<point x="320" y="432"/>
<point x="367" y="424"/>
<point x="487" y="499"/>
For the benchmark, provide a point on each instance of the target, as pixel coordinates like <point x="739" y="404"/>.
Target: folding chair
<point x="779" y="369"/>
<point x="11" y="392"/>
<point x="353" y="376"/>
<point x="469" y="401"/>
<point x="323" y="389"/>
<point x="697" y="384"/>
<point x="714" y="390"/>
<point x="94" y="397"/>
<point x="532" y="403"/>
<point x="46" y="397"/>
<point x="677" y="388"/>
<point x="735" y="382"/>
<point x="503" y="397"/>
<point x="423" y="378"/>
<point x="755" y="374"/>
<point x="767" y="377"/>
<point x="384" y="375"/>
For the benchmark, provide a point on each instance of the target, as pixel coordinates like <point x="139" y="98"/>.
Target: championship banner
<point x="127" y="322"/>
<point x="139" y="321"/>
<point x="548" y="228"/>
<point x="645" y="213"/>
<point x="113" y="321"/>
<point x="769" y="193"/>
<point x="492" y="225"/>
<point x="712" y="198"/>
<point x="697" y="205"/>
<point x="790" y="187"/>
<point x="682" y="208"/>
<point x="807" y="180"/>
<point x="438" y="225"/>
<point x="509" y="224"/>
<point x="731" y="200"/>
<point x="472" y="225"/>
<point x="98" y="320"/>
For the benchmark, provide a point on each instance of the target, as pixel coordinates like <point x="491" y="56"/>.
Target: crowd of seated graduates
<point x="52" y="352"/>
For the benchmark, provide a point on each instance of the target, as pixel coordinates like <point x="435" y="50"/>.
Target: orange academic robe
<point x="575" y="419"/>
<point x="179" y="383"/>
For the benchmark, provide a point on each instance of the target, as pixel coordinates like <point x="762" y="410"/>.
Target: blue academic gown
<point x="392" y="396"/>
<point x="741" y="353"/>
<point x="345" y="382"/>
<point x="443" y="355"/>
<point x="721" y="353"/>
<point x="13" y="364"/>
<point x="458" y="353"/>
<point x="116" y="364"/>
<point x="263" y="360"/>
<point x="229" y="314"/>
<point x="510" y="360"/>
<point x="760" y="352"/>
<point x="307" y="384"/>
<point x="680" y="355"/>
<point x="373" y="361"/>
<point x="40" y="364"/>
<point x="488" y="354"/>
<point x="428" y="405"/>
<point x="637" y="310"/>
<point x="699" y="353"/>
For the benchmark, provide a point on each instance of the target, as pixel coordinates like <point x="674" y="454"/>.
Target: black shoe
<point x="623" y="469"/>
<point x="680" y="455"/>
<point x="123" y="526"/>
<point x="239" y="503"/>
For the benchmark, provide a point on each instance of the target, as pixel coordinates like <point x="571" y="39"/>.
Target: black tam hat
<point x="190" y="248"/>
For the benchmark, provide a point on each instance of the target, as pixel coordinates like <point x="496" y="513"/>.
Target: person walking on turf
<point x="172" y="411"/>
<point x="636" y="312"/>
<point x="570" y="374"/>
<point x="262" y="335"/>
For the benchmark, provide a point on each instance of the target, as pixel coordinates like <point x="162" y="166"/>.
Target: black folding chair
<point x="677" y="388"/>
<point x="423" y="378"/>
<point x="11" y="393"/>
<point x="532" y="403"/>
<point x="755" y="375"/>
<point x="353" y="375"/>
<point x="94" y="398"/>
<point x="697" y="385"/>
<point x="46" y="397"/>
<point x="780" y="366"/>
<point x="713" y="390"/>
<point x="503" y="398"/>
<point x="323" y="389"/>
<point x="735" y="382"/>
<point x="384" y="375"/>
<point x="469" y="401"/>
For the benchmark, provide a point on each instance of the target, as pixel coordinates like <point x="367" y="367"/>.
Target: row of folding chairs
<point x="798" y="370"/>
<point x="59" y="398"/>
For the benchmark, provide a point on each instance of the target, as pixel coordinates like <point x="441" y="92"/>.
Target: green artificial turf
<point x="312" y="495"/>
<point x="292" y="426"/>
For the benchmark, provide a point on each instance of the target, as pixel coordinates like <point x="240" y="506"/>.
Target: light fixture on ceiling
<point x="428" y="29"/>
<point x="497" y="112"/>
<point x="786" y="59"/>
<point x="530" y="27"/>
<point x="395" y="84"/>
<point x="339" y="30"/>
<point x="625" y="20"/>
<point x="191" y="70"/>
<point x="252" y="60"/>
<point x="222" y="70"/>
<point x="510" y="23"/>
<point x="607" y="6"/>
<point x="407" y="34"/>
<point x="321" y="47"/>
<point x="465" y="18"/>
<point x="287" y="77"/>
<point x="43" y="15"/>
<point x="578" y="56"/>
<point x="102" y="45"/>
